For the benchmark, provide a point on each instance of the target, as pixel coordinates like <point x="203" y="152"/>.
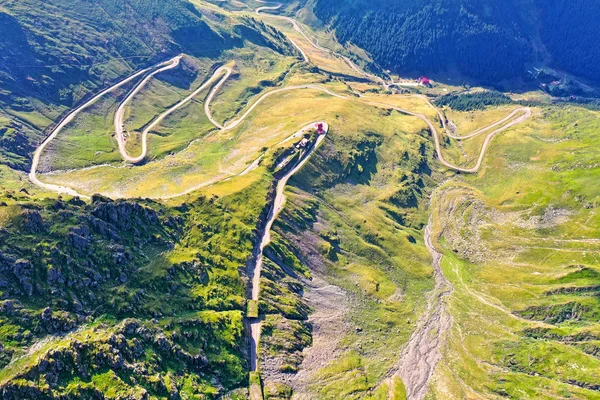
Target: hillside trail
<point x="276" y="208"/>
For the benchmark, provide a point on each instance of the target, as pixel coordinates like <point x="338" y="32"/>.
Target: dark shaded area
<point x="569" y="30"/>
<point x="473" y="101"/>
<point x="485" y="40"/>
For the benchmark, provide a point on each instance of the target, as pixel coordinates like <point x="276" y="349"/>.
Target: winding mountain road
<point x="423" y="351"/>
<point x="290" y="20"/>
<point x="524" y="110"/>
<point x="434" y="131"/>
<point x="119" y="115"/>
<point x="225" y="72"/>
<point x="38" y="152"/>
<point x="298" y="28"/>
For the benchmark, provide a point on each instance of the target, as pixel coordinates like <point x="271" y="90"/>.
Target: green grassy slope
<point x="117" y="298"/>
<point x="144" y="299"/>
<point x="130" y="298"/>
<point x="354" y="216"/>
<point x="521" y="248"/>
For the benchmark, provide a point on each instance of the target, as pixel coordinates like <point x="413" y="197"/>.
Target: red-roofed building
<point x="424" y="81"/>
<point x="319" y="128"/>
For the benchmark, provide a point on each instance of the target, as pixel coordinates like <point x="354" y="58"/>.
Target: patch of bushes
<point x="473" y="101"/>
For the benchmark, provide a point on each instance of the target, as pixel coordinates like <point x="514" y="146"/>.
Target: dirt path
<point x="266" y="238"/>
<point x="423" y="351"/>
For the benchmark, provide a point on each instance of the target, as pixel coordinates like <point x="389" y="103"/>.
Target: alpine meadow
<point x="304" y="199"/>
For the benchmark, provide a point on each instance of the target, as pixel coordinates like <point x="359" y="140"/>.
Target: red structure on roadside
<point x="320" y="128"/>
<point x="424" y="81"/>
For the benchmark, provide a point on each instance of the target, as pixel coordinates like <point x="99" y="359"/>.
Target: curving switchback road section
<point x="290" y="20"/>
<point x="119" y="115"/>
<point x="68" y="119"/>
<point x="298" y="28"/>
<point x="224" y="73"/>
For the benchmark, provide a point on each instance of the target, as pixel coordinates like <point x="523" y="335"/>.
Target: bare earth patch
<point x="329" y="324"/>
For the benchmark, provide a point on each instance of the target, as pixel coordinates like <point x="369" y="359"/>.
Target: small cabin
<point x="320" y="128"/>
<point x="425" y="81"/>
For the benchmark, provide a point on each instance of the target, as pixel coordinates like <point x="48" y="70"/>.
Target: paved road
<point x="432" y="128"/>
<point x="38" y="152"/>
<point x="119" y="123"/>
<point x="225" y="73"/>
<point x="298" y="27"/>
<point x="291" y="20"/>
<point x="436" y="135"/>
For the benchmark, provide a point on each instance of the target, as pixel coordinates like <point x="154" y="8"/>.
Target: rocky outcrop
<point x="79" y="238"/>
<point x="19" y="268"/>
<point x="122" y="350"/>
<point x="125" y="215"/>
<point x="31" y="221"/>
<point x="80" y="261"/>
<point x="55" y="323"/>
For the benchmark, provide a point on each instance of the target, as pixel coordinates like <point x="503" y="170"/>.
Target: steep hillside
<point x="122" y="299"/>
<point x="484" y="40"/>
<point x="570" y="33"/>
<point x="130" y="298"/>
